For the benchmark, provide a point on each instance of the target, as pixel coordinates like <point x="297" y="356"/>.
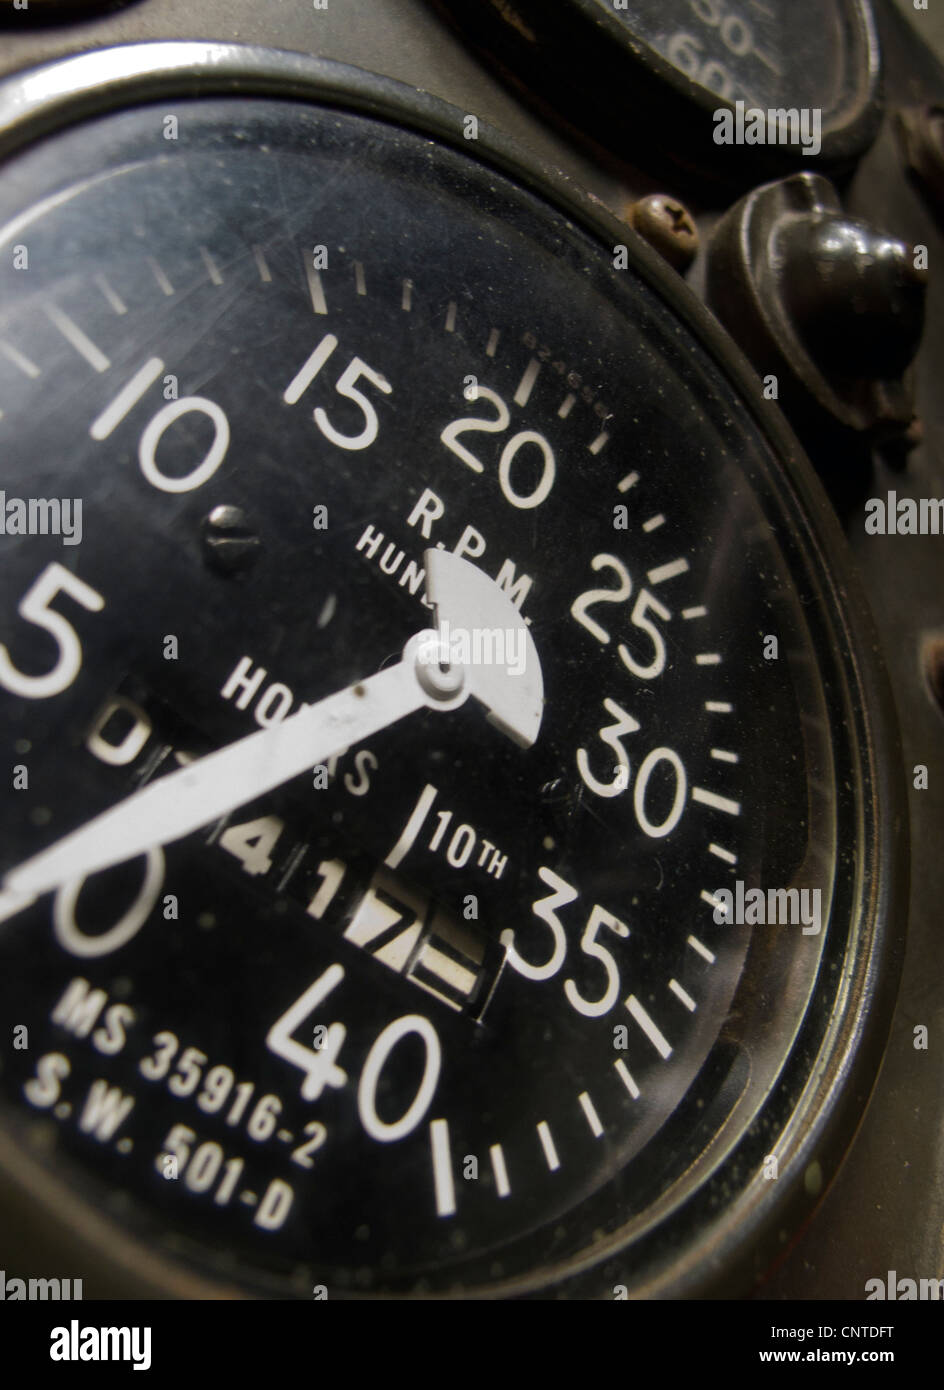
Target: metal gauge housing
<point x="656" y="74"/>
<point x="292" y="371"/>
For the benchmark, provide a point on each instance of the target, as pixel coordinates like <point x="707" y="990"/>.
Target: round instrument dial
<point x="416" y="642"/>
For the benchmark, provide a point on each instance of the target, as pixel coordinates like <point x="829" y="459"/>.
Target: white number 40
<point x="320" y="1064"/>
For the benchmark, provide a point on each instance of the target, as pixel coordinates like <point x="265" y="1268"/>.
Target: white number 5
<point x="35" y="608"/>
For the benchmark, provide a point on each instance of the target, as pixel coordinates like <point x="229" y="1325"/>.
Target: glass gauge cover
<point x="801" y="79"/>
<point x="290" y="373"/>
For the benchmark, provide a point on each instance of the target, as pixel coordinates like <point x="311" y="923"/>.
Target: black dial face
<point x="779" y="53"/>
<point x="447" y="1003"/>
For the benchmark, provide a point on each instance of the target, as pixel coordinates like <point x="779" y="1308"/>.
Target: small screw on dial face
<point x="230" y="543"/>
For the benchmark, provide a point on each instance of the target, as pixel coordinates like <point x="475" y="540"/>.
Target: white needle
<point x="213" y="786"/>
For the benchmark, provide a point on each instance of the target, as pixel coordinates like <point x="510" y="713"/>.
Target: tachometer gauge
<point x="668" y="73"/>
<point x="447" y="838"/>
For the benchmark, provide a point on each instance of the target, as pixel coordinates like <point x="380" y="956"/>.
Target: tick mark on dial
<point x="19" y="360"/>
<point x="212" y="268"/>
<point x="441" y="1153"/>
<point x="701" y="949"/>
<point x="626" y="1077"/>
<point x="590" y="1113"/>
<point x="547" y="1144"/>
<point x="265" y="275"/>
<point x="114" y="300"/>
<point x="502" y="1185"/>
<point x="683" y="996"/>
<point x="648" y="1025"/>
<point x="670" y="571"/>
<point x="159" y="275"/>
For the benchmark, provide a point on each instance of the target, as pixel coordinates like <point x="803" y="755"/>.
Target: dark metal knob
<point x="829" y="305"/>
